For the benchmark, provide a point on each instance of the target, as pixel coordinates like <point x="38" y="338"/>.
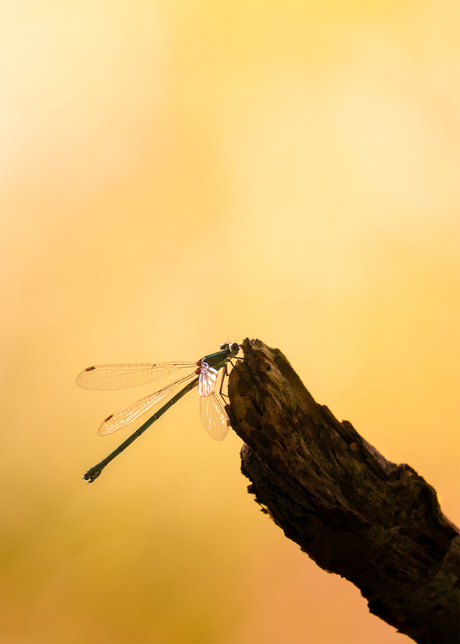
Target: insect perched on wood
<point x="120" y="376"/>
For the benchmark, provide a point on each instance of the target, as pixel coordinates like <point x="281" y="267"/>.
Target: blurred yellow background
<point x="176" y="174"/>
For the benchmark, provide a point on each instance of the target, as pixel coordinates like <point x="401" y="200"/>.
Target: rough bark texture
<point x="354" y="513"/>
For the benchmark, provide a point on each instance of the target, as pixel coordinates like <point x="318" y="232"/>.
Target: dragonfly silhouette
<point x="122" y="376"/>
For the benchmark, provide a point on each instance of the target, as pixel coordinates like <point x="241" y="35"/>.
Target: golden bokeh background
<point x="180" y="173"/>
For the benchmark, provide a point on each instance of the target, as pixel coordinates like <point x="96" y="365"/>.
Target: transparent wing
<point x="131" y="412"/>
<point x="207" y="381"/>
<point x="214" y="417"/>
<point x="122" y="376"/>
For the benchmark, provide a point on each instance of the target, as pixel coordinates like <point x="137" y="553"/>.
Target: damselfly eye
<point x="224" y="346"/>
<point x="234" y="348"/>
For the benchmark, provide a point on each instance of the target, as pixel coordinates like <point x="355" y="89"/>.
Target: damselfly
<point x="121" y="376"/>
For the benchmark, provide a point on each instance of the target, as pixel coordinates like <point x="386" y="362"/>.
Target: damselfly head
<point x="233" y="348"/>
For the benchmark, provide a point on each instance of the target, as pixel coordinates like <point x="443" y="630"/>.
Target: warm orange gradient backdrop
<point x="178" y="174"/>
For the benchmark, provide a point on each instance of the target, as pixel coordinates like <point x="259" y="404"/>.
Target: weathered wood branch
<point x="354" y="513"/>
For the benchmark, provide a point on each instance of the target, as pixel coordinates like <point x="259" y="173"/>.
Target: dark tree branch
<point x="354" y="513"/>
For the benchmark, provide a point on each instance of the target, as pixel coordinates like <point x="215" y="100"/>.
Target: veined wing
<point x="131" y="412"/>
<point x="207" y="381"/>
<point x="214" y="417"/>
<point x="121" y="376"/>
